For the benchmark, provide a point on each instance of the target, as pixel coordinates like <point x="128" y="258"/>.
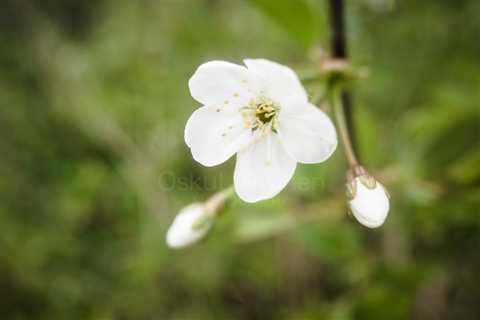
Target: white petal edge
<point x="221" y="83"/>
<point x="370" y="206"/>
<point x="307" y="133"/>
<point x="181" y="232"/>
<point x="215" y="134"/>
<point x="279" y="82"/>
<point x="262" y="169"/>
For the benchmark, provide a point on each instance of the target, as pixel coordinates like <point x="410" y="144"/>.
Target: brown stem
<point x="339" y="50"/>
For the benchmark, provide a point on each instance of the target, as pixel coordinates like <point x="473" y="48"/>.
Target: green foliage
<point x="93" y="166"/>
<point x="295" y="16"/>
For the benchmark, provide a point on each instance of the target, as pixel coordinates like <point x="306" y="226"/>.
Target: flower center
<point x="261" y="113"/>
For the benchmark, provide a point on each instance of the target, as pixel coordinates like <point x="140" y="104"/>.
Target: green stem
<point x="217" y="202"/>
<point x="342" y="127"/>
<point x="318" y="98"/>
<point x="214" y="207"/>
<point x="229" y="191"/>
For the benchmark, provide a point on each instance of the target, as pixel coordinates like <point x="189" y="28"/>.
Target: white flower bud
<point x="188" y="227"/>
<point x="369" y="201"/>
<point x="194" y="221"/>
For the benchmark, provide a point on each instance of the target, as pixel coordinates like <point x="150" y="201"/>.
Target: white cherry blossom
<point x="261" y="113"/>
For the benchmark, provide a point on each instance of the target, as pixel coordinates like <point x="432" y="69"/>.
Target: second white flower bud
<point x="368" y="199"/>
<point x="193" y="222"/>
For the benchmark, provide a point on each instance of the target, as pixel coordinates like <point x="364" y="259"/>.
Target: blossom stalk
<point x="343" y="129"/>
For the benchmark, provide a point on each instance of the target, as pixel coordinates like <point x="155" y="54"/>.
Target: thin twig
<point x="339" y="50"/>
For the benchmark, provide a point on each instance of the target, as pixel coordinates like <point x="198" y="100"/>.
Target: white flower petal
<point x="307" y="133"/>
<point x="370" y="206"/>
<point x="218" y="83"/>
<point x="263" y="169"/>
<point x="181" y="233"/>
<point x="215" y="134"/>
<point x="278" y="82"/>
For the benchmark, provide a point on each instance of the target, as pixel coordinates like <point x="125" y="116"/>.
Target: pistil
<point x="261" y="114"/>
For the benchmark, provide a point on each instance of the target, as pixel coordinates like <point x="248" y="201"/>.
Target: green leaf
<point x="294" y="16"/>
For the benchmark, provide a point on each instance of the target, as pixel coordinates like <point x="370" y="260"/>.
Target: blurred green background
<point x="93" y="167"/>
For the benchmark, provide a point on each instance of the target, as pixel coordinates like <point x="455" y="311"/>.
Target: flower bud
<point x="194" y="221"/>
<point x="183" y="231"/>
<point x="368" y="199"/>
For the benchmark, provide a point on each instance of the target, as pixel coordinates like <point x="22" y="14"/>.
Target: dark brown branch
<point x="339" y="50"/>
